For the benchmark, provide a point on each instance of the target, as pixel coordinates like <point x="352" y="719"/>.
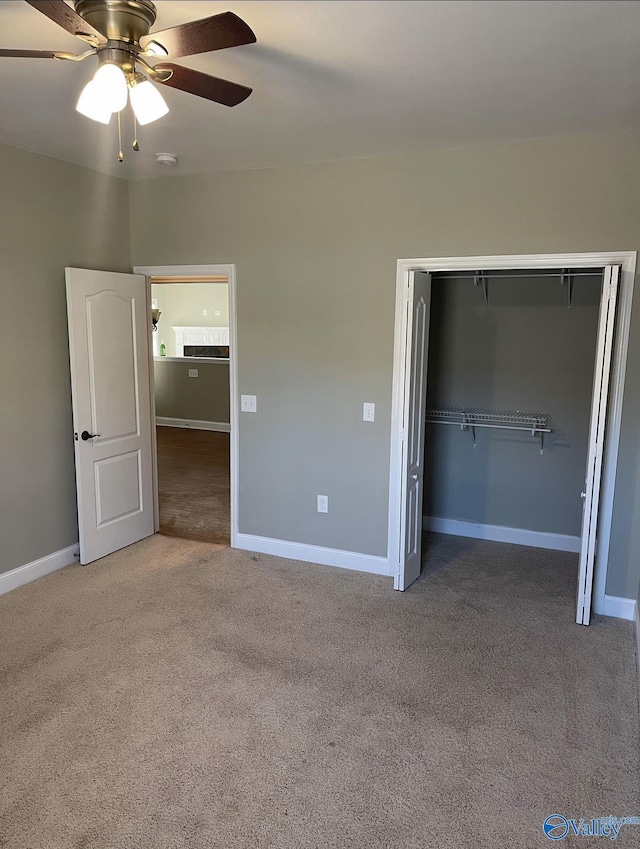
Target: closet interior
<point x="509" y="392"/>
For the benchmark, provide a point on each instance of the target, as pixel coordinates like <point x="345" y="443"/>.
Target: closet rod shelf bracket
<point x="566" y="279"/>
<point x="480" y="279"/>
<point x="466" y="419"/>
<point x="465" y="425"/>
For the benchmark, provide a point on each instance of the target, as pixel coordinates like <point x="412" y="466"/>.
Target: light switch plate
<point x="217" y="312"/>
<point x="193" y="372"/>
<point x="248" y="403"/>
<point x="368" y="412"/>
<point x="204" y="312"/>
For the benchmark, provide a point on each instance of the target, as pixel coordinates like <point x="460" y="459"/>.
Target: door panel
<point x="109" y="353"/>
<point x="593" y="478"/>
<point x="118" y="487"/>
<point x="417" y="336"/>
<point x="112" y="370"/>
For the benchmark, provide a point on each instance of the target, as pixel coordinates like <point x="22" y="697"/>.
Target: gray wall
<point x="524" y="351"/>
<point x="178" y="396"/>
<point x="52" y="214"/>
<point x="316" y="248"/>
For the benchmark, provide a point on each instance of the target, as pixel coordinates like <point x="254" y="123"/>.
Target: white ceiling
<point x="335" y="80"/>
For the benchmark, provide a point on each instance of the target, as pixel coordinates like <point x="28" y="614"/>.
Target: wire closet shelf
<point x="481" y="278"/>
<point x="468" y="419"/>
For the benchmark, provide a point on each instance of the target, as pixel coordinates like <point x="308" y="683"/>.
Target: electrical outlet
<point x="205" y="312"/>
<point x="248" y="403"/>
<point x="368" y="412"/>
<point x="323" y="504"/>
<point x="193" y="372"/>
<point x="217" y="312"/>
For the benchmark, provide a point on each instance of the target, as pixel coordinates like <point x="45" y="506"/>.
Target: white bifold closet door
<point x="593" y="478"/>
<point x="418" y="307"/>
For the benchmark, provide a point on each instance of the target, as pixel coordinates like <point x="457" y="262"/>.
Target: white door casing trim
<point x="229" y="270"/>
<point x="627" y="261"/>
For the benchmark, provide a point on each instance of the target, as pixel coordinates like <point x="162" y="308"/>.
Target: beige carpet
<point x="178" y="695"/>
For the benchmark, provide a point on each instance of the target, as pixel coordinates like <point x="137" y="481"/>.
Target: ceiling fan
<point x="118" y="32"/>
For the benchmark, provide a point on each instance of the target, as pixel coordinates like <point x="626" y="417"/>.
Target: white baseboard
<point x="497" y="533"/>
<point x="30" y="571"/>
<point x="195" y="424"/>
<point x="637" y="624"/>
<point x="314" y="554"/>
<point x="621" y="608"/>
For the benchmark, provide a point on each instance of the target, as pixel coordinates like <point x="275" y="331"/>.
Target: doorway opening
<point x="492" y="369"/>
<point x="192" y="313"/>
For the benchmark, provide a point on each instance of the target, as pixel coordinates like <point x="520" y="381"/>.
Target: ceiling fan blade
<point x="29" y="54"/>
<point x="211" y="88"/>
<point x="67" y="18"/>
<point x="214" y="33"/>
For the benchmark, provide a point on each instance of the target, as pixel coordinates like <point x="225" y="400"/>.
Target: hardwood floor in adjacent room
<point x="193" y="483"/>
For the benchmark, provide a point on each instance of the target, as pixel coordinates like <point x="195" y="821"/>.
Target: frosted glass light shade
<point x="111" y="86"/>
<point x="147" y="102"/>
<point x="90" y="104"/>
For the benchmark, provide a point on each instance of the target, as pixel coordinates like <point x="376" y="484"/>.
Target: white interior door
<point x="591" y="492"/>
<point x="109" y="354"/>
<point x="418" y="306"/>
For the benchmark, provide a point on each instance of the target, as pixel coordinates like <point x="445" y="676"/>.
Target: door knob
<point x="86" y="435"/>
<point x="415" y="477"/>
<point x="583" y="495"/>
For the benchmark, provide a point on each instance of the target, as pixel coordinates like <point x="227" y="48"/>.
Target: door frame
<point x="627" y="261"/>
<point x="229" y="270"/>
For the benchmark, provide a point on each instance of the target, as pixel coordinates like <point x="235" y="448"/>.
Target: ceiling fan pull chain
<point x="120" y="153"/>
<point x="135" y="144"/>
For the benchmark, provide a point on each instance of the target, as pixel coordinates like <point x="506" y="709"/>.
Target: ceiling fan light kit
<point x="110" y="85"/>
<point x="146" y="101"/>
<point x="91" y="105"/>
<point x="118" y="33"/>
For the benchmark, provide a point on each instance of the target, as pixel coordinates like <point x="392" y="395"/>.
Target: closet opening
<point x="507" y="391"/>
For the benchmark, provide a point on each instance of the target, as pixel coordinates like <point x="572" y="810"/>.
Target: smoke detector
<point x="167" y="159"/>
